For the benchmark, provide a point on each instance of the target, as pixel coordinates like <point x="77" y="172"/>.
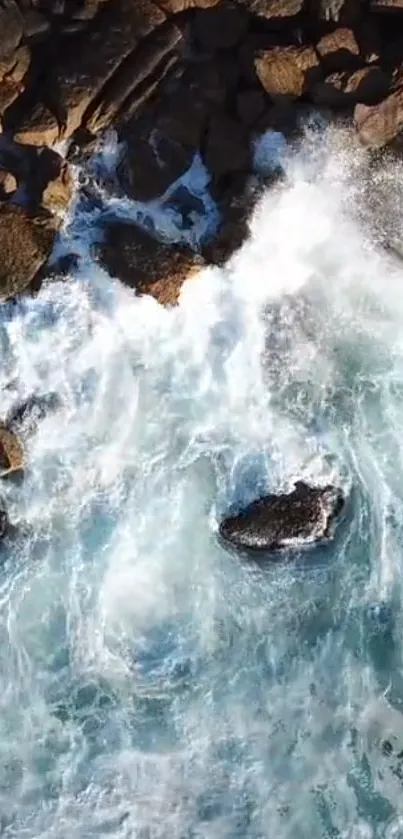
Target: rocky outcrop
<point x="278" y="522"/>
<point x="144" y="263"/>
<point x="26" y="240"/>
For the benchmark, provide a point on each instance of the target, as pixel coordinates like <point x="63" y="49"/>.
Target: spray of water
<point x="151" y="685"/>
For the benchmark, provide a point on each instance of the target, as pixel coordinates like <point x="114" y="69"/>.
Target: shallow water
<point x="152" y="685"/>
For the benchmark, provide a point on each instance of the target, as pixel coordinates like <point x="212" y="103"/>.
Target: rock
<point x="172" y="7"/>
<point x="276" y="522"/>
<point x="250" y="105"/>
<point x="227" y="148"/>
<point x="386" y="5"/>
<point x="183" y="117"/>
<point x="288" y="71"/>
<point x="39" y="127"/>
<point x="35" y="25"/>
<point x="79" y="76"/>
<point x="11" y="28"/>
<point x="145" y="67"/>
<point x="235" y="203"/>
<point x="221" y="27"/>
<point x="12" y="458"/>
<point x="377" y="125"/>
<point x="8" y="183"/>
<point x="26" y="240"/>
<point x="26" y="415"/>
<point x="339" y="50"/>
<point x="275" y="9"/>
<point x="4" y="521"/>
<point x="151" y="164"/>
<point x="338" y="11"/>
<point x="58" y="192"/>
<point x="368" y="85"/>
<point x="142" y="262"/>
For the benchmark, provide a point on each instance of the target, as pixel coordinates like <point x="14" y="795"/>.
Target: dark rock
<point x="151" y="164"/>
<point x="339" y="50"/>
<point x="221" y="27"/>
<point x="250" y="105"/>
<point x="38" y="127"/>
<point x="4" y="521"/>
<point x="368" y="85"/>
<point x="235" y="203"/>
<point x="26" y="240"/>
<point x="11" y="28"/>
<point x="288" y="71"/>
<point x="227" y="148"/>
<point x="26" y="415"/>
<point x="386" y="5"/>
<point x="337" y="11"/>
<point x="142" y="262"/>
<point x="36" y="26"/>
<point x="276" y="522"/>
<point x="275" y="9"/>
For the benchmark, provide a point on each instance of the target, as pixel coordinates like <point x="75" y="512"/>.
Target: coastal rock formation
<point x="276" y="522"/>
<point x="26" y="240"/>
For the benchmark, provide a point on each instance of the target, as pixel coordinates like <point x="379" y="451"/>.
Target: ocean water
<point x="152" y="685"/>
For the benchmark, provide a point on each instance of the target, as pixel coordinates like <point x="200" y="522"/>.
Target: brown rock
<point x="377" y="125"/>
<point x="12" y="458"/>
<point x="38" y="128"/>
<point x="11" y="28"/>
<point x="368" y="85"/>
<point x="142" y="262"/>
<point x="136" y="73"/>
<point x="17" y="66"/>
<point x="9" y="92"/>
<point x="275" y="9"/>
<point x="221" y="27"/>
<point x="8" y="183"/>
<point x="80" y="74"/>
<point x="172" y="7"/>
<point x="288" y="71"/>
<point x="339" y="50"/>
<point x="227" y="148"/>
<point x="26" y="240"/>
<point x="58" y="192"/>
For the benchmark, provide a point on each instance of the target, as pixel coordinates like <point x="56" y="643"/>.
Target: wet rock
<point x="144" y="263"/>
<point x="151" y="164"/>
<point x="275" y="9"/>
<point x="227" y="147"/>
<point x="56" y="184"/>
<point x="12" y="458"/>
<point x="288" y="71"/>
<point x="8" y="183"/>
<point x="368" y="85"/>
<point x="26" y="240"/>
<point x="222" y="27"/>
<point x="5" y="526"/>
<point x="339" y="50"/>
<point x="174" y="6"/>
<point x="276" y="522"/>
<point x="377" y="125"/>
<point x="27" y="414"/>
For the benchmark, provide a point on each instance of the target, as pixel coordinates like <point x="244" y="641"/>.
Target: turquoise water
<point x="151" y="684"/>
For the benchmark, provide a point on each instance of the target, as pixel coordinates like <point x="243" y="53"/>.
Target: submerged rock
<point x="275" y="522"/>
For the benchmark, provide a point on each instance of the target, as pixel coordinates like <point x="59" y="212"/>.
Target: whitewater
<point x="153" y="685"/>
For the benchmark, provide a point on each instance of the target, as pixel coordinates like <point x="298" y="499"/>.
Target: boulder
<point x="8" y="183"/>
<point x="339" y="50"/>
<point x="150" y="164"/>
<point x="11" y="28"/>
<point x="277" y="522"/>
<point x="275" y="9"/>
<point x="172" y="7"/>
<point x="368" y="85"/>
<point x="12" y="458"/>
<point x="378" y="125"/>
<point x="26" y="240"/>
<point x="221" y="27"/>
<point x="38" y="127"/>
<point x="144" y="263"/>
<point x="288" y="71"/>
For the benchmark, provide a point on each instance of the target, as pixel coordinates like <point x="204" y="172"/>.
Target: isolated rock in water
<point x="12" y="457"/>
<point x="302" y="517"/>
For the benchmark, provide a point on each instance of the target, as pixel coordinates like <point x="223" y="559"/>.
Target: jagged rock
<point x="275" y="522"/>
<point x="227" y="148"/>
<point x="368" y="85"/>
<point x="221" y="27"/>
<point x="12" y="458"/>
<point x="11" y="28"/>
<point x="79" y="76"/>
<point x="142" y="262"/>
<point x="142" y="69"/>
<point x="26" y="240"/>
<point x="58" y="191"/>
<point x="339" y="50"/>
<point x="288" y="71"/>
<point x="377" y="125"/>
